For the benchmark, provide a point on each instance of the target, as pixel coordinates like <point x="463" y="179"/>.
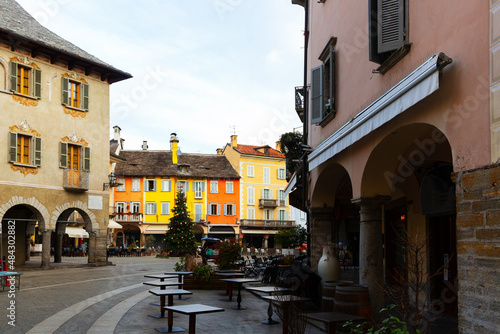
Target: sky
<point x="204" y="69"/>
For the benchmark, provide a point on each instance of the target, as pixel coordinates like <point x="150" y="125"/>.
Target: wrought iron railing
<point x="299" y="98"/>
<point x="76" y="180"/>
<point x="125" y="217"/>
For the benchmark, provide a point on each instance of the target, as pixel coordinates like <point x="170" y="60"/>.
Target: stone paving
<point x="74" y="298"/>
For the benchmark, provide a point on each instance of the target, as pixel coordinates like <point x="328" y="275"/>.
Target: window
<point x="25" y="80"/>
<point x="121" y="187"/>
<point x="250" y="213"/>
<point x="229" y="209"/>
<point x="388" y="31"/>
<point x="250" y="196"/>
<point x="198" y="212"/>
<point x="267" y="175"/>
<point x="214" y="209"/>
<point x="74" y="156"/>
<point x="135" y="207"/>
<point x="199" y="188"/>
<point x="75" y="94"/>
<point x="323" y="85"/>
<point x="214" y="187"/>
<point x="282" y="215"/>
<point x="165" y="208"/>
<point x="268" y="214"/>
<point x="149" y="185"/>
<point x="120" y="207"/>
<point x="267" y="193"/>
<point x="136" y="184"/>
<point x="166" y="185"/>
<point x="281" y="173"/>
<point x="182" y="186"/>
<point x="229" y="187"/>
<point x="281" y="198"/>
<point x="250" y="171"/>
<point x="25" y="149"/>
<point x="150" y="208"/>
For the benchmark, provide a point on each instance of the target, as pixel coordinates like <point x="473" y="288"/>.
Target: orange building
<point x="223" y="207"/>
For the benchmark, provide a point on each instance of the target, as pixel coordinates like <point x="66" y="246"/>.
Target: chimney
<point x="278" y="146"/>
<point x="145" y="145"/>
<point x="219" y="151"/>
<point x="116" y="133"/>
<point x="234" y="140"/>
<point x="173" y="147"/>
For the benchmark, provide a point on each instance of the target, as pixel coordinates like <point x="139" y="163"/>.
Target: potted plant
<point x="203" y="277"/>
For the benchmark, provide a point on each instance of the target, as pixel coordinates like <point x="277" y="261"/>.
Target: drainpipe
<point x="306" y="133"/>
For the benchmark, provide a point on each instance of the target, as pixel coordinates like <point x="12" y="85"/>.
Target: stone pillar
<point x="58" y="247"/>
<point x="265" y="242"/>
<point x="28" y="247"/>
<point x="142" y="241"/>
<point x="97" y="248"/>
<point x="322" y="223"/>
<point x="371" y="256"/>
<point x="46" y="235"/>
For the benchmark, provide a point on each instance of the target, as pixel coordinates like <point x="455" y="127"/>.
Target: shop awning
<point x="221" y="230"/>
<point x="416" y="86"/>
<point x="76" y="232"/>
<point x="157" y="229"/>
<point x="113" y="224"/>
<point x="259" y="231"/>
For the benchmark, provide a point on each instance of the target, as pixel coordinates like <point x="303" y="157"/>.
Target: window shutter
<point x="146" y="185"/>
<point x="13" y="76"/>
<point x="225" y="209"/>
<point x="63" y="155"/>
<point x="85" y="97"/>
<point x="317" y="94"/>
<point x="390" y="27"/>
<point x="203" y="186"/>
<point x="12" y="147"/>
<point x="64" y="90"/>
<point x="86" y="158"/>
<point x="37" y="83"/>
<point x="187" y="185"/>
<point x="218" y="209"/>
<point x="37" y="154"/>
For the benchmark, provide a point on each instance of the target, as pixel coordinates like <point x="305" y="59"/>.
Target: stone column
<point x="97" y="248"/>
<point x="266" y="242"/>
<point x="46" y="235"/>
<point x="28" y="247"/>
<point x="142" y="240"/>
<point x="322" y="223"/>
<point x="371" y="257"/>
<point x="58" y="247"/>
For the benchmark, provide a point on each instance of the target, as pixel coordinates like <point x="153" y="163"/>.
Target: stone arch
<point x="38" y="209"/>
<point x="63" y="211"/>
<point x="4" y="74"/>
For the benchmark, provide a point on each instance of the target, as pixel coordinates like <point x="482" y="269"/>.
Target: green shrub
<point x="390" y="325"/>
<point x="229" y="251"/>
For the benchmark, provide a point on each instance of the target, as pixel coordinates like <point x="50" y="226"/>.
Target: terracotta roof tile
<point x="259" y="150"/>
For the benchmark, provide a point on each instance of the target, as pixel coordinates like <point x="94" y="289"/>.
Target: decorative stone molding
<point x="75" y="76"/>
<point x="26" y="61"/>
<point x="75" y="140"/>
<point x="24" y="127"/>
<point x="75" y="113"/>
<point x="27" y="102"/>
<point x="24" y="170"/>
<point x="74" y="205"/>
<point x="32" y="202"/>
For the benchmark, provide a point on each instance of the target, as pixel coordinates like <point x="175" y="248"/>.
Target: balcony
<point x="125" y="217"/>
<point x="267" y="223"/>
<point x="76" y="180"/>
<point x="299" y="101"/>
<point x="268" y="203"/>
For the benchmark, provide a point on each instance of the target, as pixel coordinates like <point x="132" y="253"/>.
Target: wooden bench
<point x="191" y="310"/>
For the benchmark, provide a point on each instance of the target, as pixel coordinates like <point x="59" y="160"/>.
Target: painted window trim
<point x="35" y="80"/>
<point x="35" y="150"/>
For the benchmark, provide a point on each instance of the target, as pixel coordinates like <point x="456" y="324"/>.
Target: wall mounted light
<point x="112" y="182"/>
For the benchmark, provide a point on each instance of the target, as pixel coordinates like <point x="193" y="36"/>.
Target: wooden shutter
<point x="225" y="209"/>
<point x="390" y="25"/>
<point x="64" y="90"/>
<point x="13" y="76"/>
<point x="317" y="94"/>
<point x="86" y="158"/>
<point x="63" y="155"/>
<point x="12" y="147"/>
<point x="37" y="151"/>
<point x="146" y="185"/>
<point x="218" y="209"/>
<point x="37" y="83"/>
<point x="84" y="97"/>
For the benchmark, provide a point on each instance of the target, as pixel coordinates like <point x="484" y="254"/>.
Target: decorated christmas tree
<point x="179" y="239"/>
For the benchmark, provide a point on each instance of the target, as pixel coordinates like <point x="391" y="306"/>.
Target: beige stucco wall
<point x="495" y="78"/>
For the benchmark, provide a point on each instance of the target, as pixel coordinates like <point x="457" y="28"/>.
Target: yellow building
<point x="264" y="207"/>
<point x="54" y="99"/>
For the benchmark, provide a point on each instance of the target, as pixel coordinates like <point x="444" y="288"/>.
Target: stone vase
<point x="329" y="266"/>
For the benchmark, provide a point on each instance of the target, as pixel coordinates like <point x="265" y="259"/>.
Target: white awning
<point x="157" y="229"/>
<point x="291" y="184"/>
<point x="416" y="86"/>
<point x="113" y="224"/>
<point x="259" y="231"/>
<point x="76" y="232"/>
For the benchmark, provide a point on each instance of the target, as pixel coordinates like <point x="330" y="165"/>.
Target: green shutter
<point x="64" y="90"/>
<point x="86" y="158"/>
<point x="13" y="76"/>
<point x="317" y="94"/>
<point x="37" y="83"/>
<point x="37" y="152"/>
<point x="12" y="147"/>
<point x="63" y="155"/>
<point x="390" y="27"/>
<point x="85" y="97"/>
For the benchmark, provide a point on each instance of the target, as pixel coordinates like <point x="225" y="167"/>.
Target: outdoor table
<point x="331" y="319"/>
<point x="270" y="290"/>
<point x="162" y="278"/>
<point x="191" y="310"/>
<point x="5" y="274"/>
<point x="240" y="282"/>
<point x="162" y="285"/>
<point x="170" y="293"/>
<point x="285" y="300"/>
<point x="229" y="274"/>
<point x="180" y="277"/>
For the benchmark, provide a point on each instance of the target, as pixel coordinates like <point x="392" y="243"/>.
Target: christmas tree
<point x="179" y="239"/>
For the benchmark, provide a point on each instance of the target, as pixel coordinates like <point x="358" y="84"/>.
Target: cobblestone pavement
<point x="78" y="299"/>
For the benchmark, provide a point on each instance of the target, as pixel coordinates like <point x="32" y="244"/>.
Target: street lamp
<point x="112" y="182"/>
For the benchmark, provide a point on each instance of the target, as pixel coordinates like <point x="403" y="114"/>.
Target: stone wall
<point x="478" y="248"/>
<point x="97" y="249"/>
